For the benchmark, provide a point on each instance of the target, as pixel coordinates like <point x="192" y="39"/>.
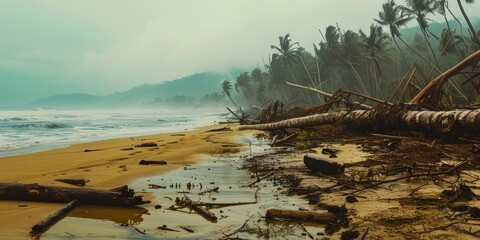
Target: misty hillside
<point x="70" y="100"/>
<point x="196" y="85"/>
<point x="437" y="28"/>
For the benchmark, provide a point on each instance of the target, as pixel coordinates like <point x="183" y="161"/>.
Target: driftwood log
<point x="318" y="164"/>
<point x="186" y="202"/>
<point x="302" y="216"/>
<point x="437" y="121"/>
<point x="77" y="182"/>
<point x="41" y="193"/>
<point x="152" y="162"/>
<point x="46" y="223"/>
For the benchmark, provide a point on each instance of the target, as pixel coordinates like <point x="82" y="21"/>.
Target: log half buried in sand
<point x="147" y="144"/>
<point x="322" y="165"/>
<point x="46" y="223"/>
<point x="42" y="193"/>
<point x="77" y="182"/>
<point x="152" y="162"/>
<point x="302" y="216"/>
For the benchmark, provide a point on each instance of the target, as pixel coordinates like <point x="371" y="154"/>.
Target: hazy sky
<point x="103" y="46"/>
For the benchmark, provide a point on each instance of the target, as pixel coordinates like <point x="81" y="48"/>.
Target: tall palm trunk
<point x="420" y="55"/>
<point x="430" y="47"/>
<point x="306" y="70"/>
<point x="456" y="19"/>
<point x="451" y="36"/>
<point x="470" y="26"/>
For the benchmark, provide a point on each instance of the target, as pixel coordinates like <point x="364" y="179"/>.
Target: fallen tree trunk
<point x="436" y="83"/>
<point x="324" y="166"/>
<point x="46" y="223"/>
<point x="41" y="193"/>
<point x="303" y="216"/>
<point x="439" y="121"/>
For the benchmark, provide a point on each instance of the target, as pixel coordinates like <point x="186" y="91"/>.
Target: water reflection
<point x="118" y="215"/>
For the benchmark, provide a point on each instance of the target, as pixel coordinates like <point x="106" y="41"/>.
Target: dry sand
<point x="106" y="168"/>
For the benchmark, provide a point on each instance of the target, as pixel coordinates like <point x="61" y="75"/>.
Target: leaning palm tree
<point x="394" y="17"/>
<point x="376" y="47"/>
<point x="287" y="52"/>
<point x="375" y="43"/>
<point x="327" y="56"/>
<point x="474" y="36"/>
<point x="227" y="91"/>
<point x="420" y="9"/>
<point x="350" y="55"/>
<point x="441" y="6"/>
<point x="452" y="43"/>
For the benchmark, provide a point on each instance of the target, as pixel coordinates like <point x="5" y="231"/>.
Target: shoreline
<point x="106" y="165"/>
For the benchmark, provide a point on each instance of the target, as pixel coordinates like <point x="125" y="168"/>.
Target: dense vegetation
<point x="370" y="62"/>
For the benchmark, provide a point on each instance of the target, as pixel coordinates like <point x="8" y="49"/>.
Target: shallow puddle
<point x="226" y="173"/>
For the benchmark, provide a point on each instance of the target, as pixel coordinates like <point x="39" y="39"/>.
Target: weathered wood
<point x="147" y="144"/>
<point x="322" y="165"/>
<point x="156" y="186"/>
<point x="205" y="213"/>
<point x="167" y="229"/>
<point x="186" y="202"/>
<point x="302" y="216"/>
<point x="437" y="121"/>
<point x="77" y="182"/>
<point x="49" y="221"/>
<point x="241" y="119"/>
<point x="471" y="60"/>
<point x="42" y="193"/>
<point x="187" y="229"/>
<point x="215" y="189"/>
<point x="152" y="162"/>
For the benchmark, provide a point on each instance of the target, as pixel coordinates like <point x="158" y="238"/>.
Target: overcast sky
<point x="103" y="46"/>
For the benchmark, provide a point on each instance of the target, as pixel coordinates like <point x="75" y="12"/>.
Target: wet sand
<point x="227" y="172"/>
<point x="106" y="167"/>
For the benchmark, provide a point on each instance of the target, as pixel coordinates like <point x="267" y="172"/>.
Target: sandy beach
<point x="107" y="164"/>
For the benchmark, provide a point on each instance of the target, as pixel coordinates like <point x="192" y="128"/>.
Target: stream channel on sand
<point x="226" y="173"/>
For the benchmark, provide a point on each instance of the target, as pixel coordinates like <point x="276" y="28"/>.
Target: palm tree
<point x="375" y="43"/>
<point x="376" y="46"/>
<point x="287" y="52"/>
<point x="290" y="53"/>
<point x="420" y="8"/>
<point x="474" y="36"/>
<point x="327" y="55"/>
<point x="442" y="7"/>
<point x="449" y="41"/>
<point x="227" y="90"/>
<point x="394" y="17"/>
<point x="350" y="53"/>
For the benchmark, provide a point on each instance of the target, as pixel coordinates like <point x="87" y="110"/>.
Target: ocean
<point x="29" y="130"/>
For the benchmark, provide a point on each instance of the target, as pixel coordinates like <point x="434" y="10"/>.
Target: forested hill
<point x="437" y="28"/>
<point x="194" y="86"/>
